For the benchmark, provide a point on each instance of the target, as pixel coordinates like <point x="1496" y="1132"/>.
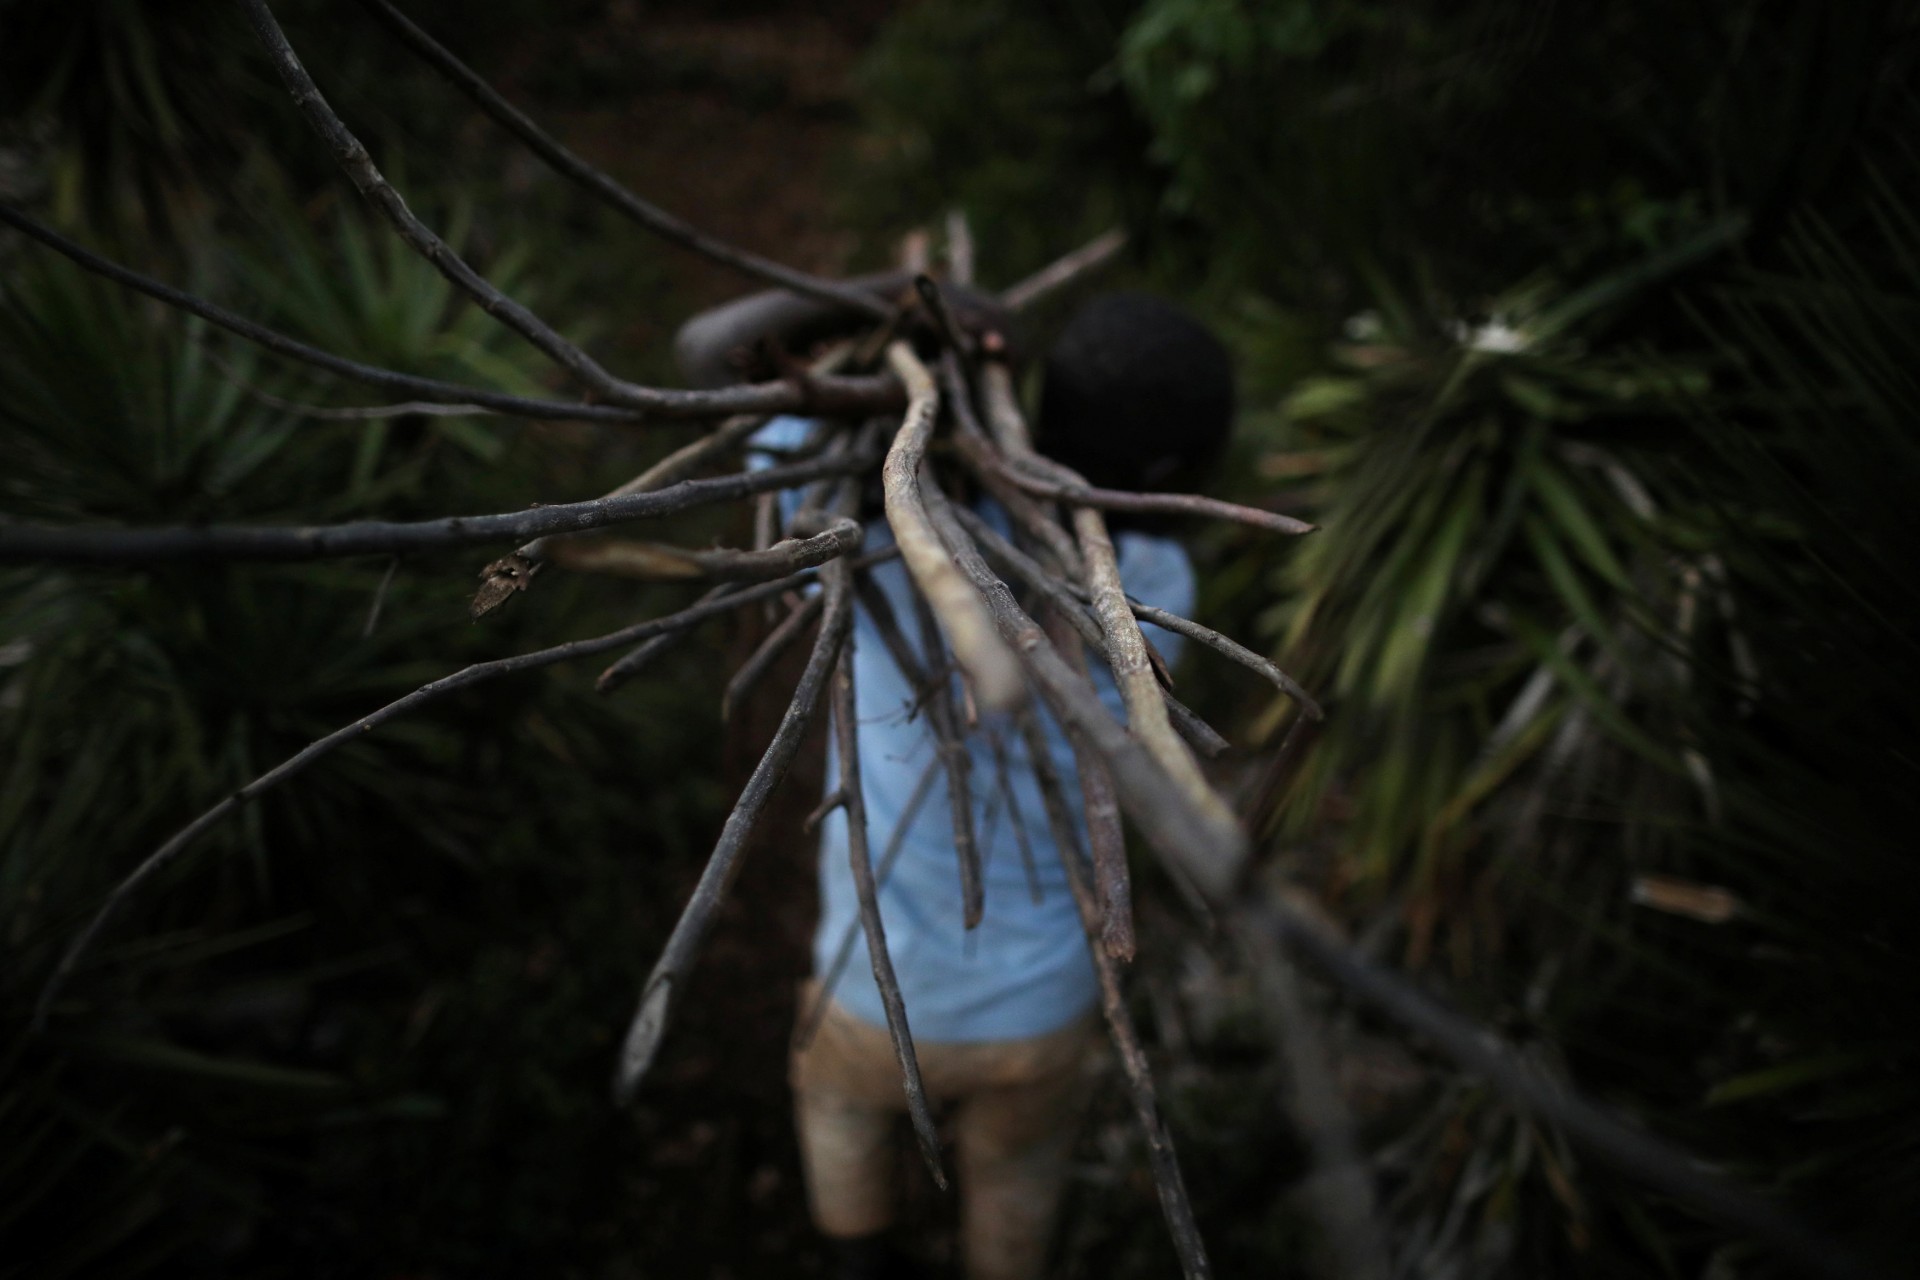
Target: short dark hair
<point x="1137" y="394"/>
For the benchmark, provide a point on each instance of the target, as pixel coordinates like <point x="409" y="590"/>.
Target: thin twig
<point x="1106" y="837"/>
<point x="766" y="653"/>
<point x="929" y="682"/>
<point x="642" y="655"/>
<point x="663" y="562"/>
<point x="1162" y="1160"/>
<point x="637" y="210"/>
<point x="1239" y="653"/>
<point x="517" y="571"/>
<point x="520" y="568"/>
<point x="1060" y="596"/>
<point x="808" y="1025"/>
<point x="86" y="544"/>
<point x="847" y="750"/>
<point x="662" y="987"/>
<point x="478" y="673"/>
<point x="1037" y="474"/>
<point x="1056" y="275"/>
<point x="1039" y="521"/>
<point x="822" y="394"/>
<point x="355" y="161"/>
<point x="361" y="413"/>
<point x="959" y="248"/>
<point x="1192" y="839"/>
<point x="970" y="633"/>
<point x="1003" y="779"/>
<point x="950" y="717"/>
<point x="379" y="599"/>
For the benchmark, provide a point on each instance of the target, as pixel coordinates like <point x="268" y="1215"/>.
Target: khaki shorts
<point x="1015" y="1107"/>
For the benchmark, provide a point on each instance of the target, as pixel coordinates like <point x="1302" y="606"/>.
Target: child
<point x="1136" y="395"/>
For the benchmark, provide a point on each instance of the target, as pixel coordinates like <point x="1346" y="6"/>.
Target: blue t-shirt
<point x="1024" y="970"/>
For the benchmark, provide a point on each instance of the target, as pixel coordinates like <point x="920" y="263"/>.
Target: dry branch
<point x="1194" y="840"/>
<point x="1003" y="779"/>
<point x="84" y="544"/>
<point x="1133" y="672"/>
<point x="1060" y="596"/>
<point x="642" y="655"/>
<point x="1039" y="521"/>
<point x="808" y="1023"/>
<point x="1239" y="653"/>
<point x="663" y="562"/>
<point x="970" y="633"/>
<point x="641" y="212"/>
<point x="1339" y="1192"/>
<point x="1056" y="275"/>
<point x="1106" y="838"/>
<point x="847" y="752"/>
<point x="657" y="997"/>
<point x="823" y="394"/>
<point x="929" y="681"/>
<point x="766" y="654"/>
<point x="1036" y="474"/>
<point x="1162" y="1160"/>
<point x="355" y="161"/>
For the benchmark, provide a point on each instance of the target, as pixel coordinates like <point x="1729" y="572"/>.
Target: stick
<point x="515" y="572"/>
<point x="766" y="654"/>
<point x="950" y="716"/>
<point x="85" y="544"/>
<point x="847" y="749"/>
<point x="1162" y="1160"/>
<point x="1059" y="595"/>
<point x="1106" y="838"/>
<point x="1133" y="672"/>
<point x="858" y="394"/>
<point x="1239" y="653"/>
<point x="1038" y="475"/>
<point x="478" y="673"/>
<point x="642" y="655"/>
<point x="662" y="562"/>
<point x="810" y="1024"/>
<point x="932" y="691"/>
<point x="1088" y="258"/>
<point x="641" y="212"/>
<point x="970" y="632"/>
<point x="959" y="248"/>
<point x="1039" y="521"/>
<point x="355" y="161"/>
<point x="1194" y="840"/>
<point x="1003" y="778"/>
<point x="657" y="997"/>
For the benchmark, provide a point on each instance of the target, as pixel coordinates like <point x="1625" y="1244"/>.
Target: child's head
<point x="1137" y="395"/>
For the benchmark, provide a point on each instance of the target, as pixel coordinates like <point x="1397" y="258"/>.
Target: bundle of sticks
<point x="926" y="398"/>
